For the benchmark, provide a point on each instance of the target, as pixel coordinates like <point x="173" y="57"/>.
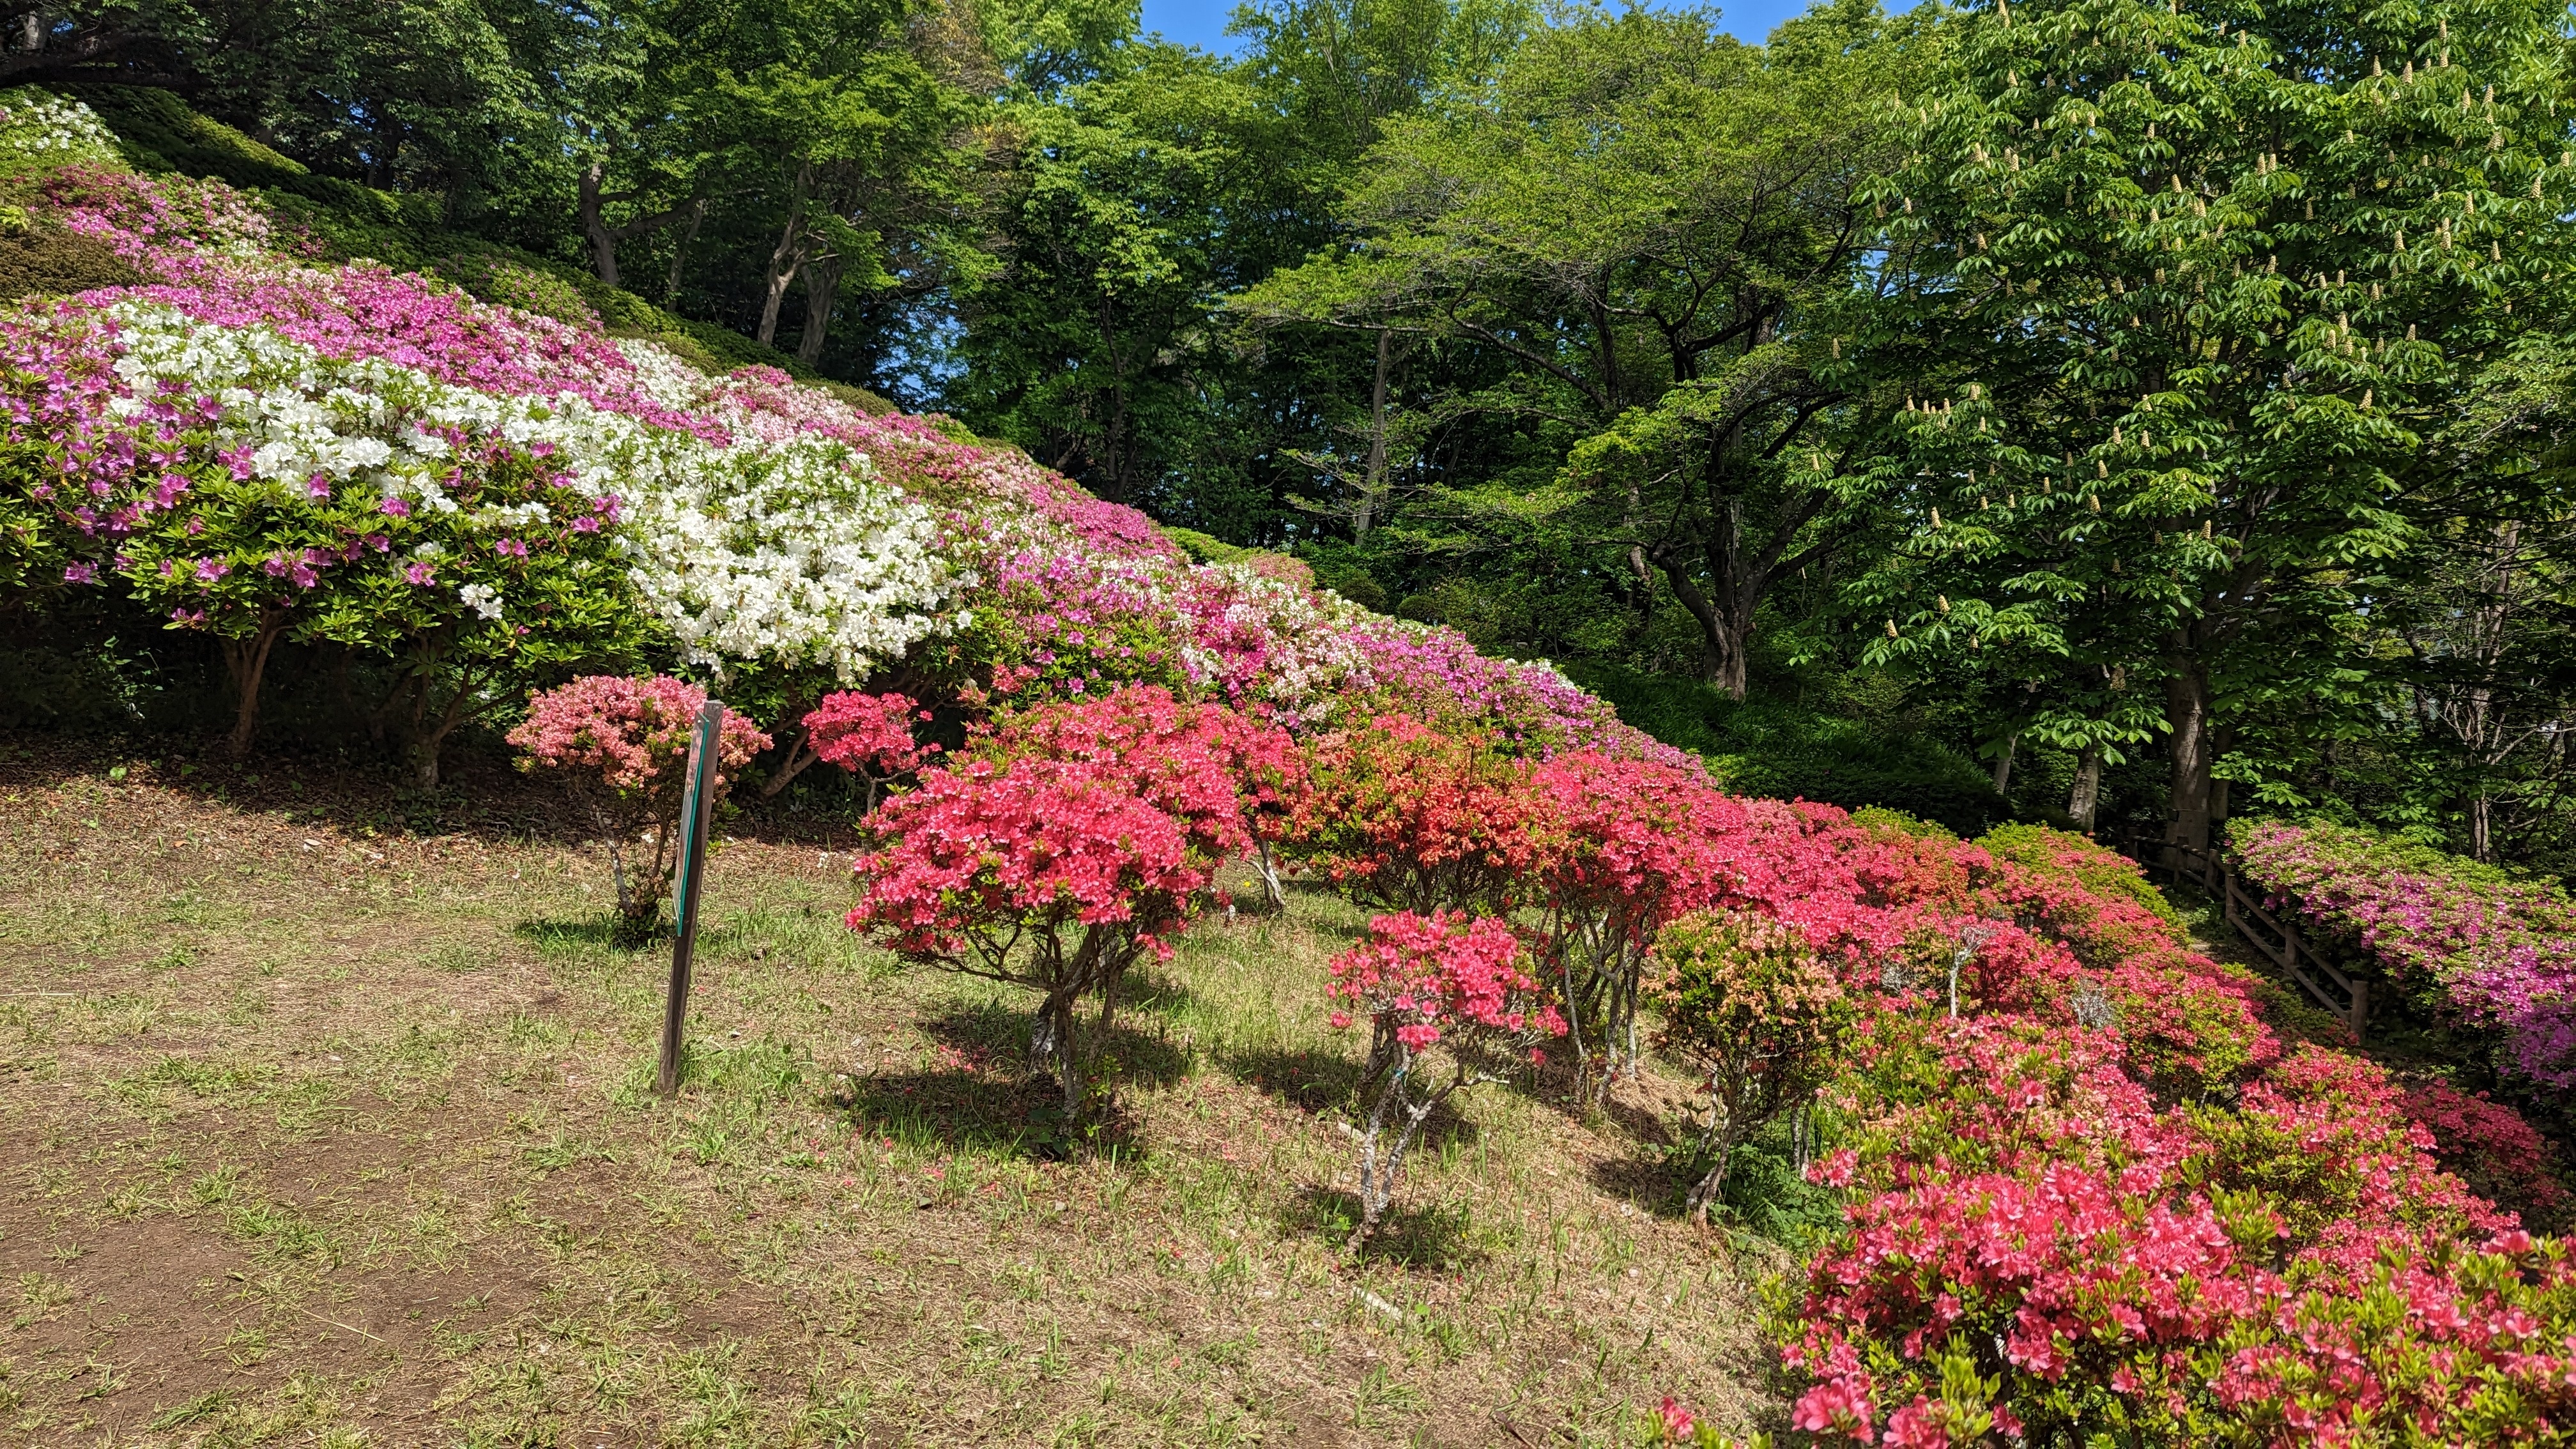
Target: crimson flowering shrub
<point x="869" y="735"/>
<point x="1618" y="849"/>
<point x="621" y="748"/>
<point x="1449" y="982"/>
<point x="1076" y="838"/>
<point x="2497" y="1153"/>
<point x="2492" y="951"/>
<point x="1760" y="1015"/>
<point x="1402" y="816"/>
<point x="1181" y="751"/>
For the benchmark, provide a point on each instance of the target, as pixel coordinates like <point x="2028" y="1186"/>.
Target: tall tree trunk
<point x="246" y="660"/>
<point x="1374" y="489"/>
<point x="680" y="248"/>
<point x="822" y="289"/>
<point x="594" y="225"/>
<point x="2004" y="762"/>
<point x="2187" y="716"/>
<point x="2087" y="794"/>
<point x="1725" y="630"/>
<point x="787" y="258"/>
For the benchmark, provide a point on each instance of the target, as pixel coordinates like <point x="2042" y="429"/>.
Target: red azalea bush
<point x="1227" y="775"/>
<point x="1401" y="816"/>
<point x="2492" y="1148"/>
<point x="1617" y="850"/>
<point x="2080" y="1263"/>
<point x="869" y="735"/>
<point x="621" y="747"/>
<point x="1451" y="982"/>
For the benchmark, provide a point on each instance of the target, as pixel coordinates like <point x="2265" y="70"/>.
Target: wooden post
<point x="2360" y="1008"/>
<point x="697" y="806"/>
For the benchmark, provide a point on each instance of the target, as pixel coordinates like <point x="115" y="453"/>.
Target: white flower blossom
<point x="781" y="548"/>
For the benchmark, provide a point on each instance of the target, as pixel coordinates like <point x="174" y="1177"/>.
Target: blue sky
<point x="1202" y="22"/>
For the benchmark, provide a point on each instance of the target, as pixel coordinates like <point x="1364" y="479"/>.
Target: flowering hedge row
<point x="2091" y="1193"/>
<point x="2494" y="951"/>
<point x="259" y="449"/>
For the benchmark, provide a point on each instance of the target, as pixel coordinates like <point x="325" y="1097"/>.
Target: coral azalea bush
<point x="621" y="747"/>
<point x="1079" y="839"/>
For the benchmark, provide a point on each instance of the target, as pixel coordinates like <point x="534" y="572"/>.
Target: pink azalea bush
<point x="1041" y="588"/>
<point x="1075" y="842"/>
<point x="621" y="748"/>
<point x="2496" y="952"/>
<point x="1451" y="983"/>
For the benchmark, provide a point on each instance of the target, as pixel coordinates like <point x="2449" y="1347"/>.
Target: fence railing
<point x="2279" y="940"/>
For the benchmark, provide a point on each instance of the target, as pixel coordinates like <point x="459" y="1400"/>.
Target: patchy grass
<point x="321" y="1132"/>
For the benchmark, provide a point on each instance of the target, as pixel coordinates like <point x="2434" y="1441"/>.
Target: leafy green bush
<point x="1781" y="750"/>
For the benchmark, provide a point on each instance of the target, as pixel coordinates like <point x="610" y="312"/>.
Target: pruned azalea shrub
<point x="1450" y="1003"/>
<point x="874" y="737"/>
<point x="1760" y="1017"/>
<point x="621" y="748"/>
<point x="1078" y="840"/>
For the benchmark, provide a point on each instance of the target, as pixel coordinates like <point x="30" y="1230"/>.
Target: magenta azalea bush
<point x="2497" y="952"/>
<point x="267" y="449"/>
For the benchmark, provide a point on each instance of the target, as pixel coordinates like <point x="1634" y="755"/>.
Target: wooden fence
<point x="2278" y="939"/>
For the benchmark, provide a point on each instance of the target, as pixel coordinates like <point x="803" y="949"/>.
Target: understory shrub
<point x="1758" y="1014"/>
<point x="873" y="736"/>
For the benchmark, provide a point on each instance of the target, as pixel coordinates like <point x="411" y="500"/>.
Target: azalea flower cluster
<point x="1072" y="840"/>
<point x="2496" y="952"/>
<point x="2090" y="1186"/>
<point x="38" y="129"/>
<point x="779" y="523"/>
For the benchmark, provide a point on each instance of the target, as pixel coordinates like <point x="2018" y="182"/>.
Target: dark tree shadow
<point x="1432" y="1236"/>
<point x="553" y="935"/>
<point x="362" y="792"/>
<point x="1305" y="1078"/>
<point x="990" y="1099"/>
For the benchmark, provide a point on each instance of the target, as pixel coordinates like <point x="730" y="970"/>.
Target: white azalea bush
<point x="40" y="129"/>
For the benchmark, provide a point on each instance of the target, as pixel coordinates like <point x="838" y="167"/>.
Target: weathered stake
<point x="697" y="806"/>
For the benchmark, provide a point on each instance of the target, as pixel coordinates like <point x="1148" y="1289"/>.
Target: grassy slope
<point x="323" y="1135"/>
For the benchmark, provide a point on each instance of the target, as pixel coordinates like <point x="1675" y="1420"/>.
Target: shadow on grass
<point x="989" y="1100"/>
<point x="603" y="934"/>
<point x="1765" y="1194"/>
<point x="1432" y="1237"/>
<point x="1306" y="1078"/>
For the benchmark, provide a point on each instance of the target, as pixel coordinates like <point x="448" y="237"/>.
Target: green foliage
<point x="2108" y="876"/>
<point x="1789" y="751"/>
<point x="1759" y="1013"/>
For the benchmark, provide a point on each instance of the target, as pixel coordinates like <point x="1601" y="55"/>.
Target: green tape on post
<point x="697" y="808"/>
